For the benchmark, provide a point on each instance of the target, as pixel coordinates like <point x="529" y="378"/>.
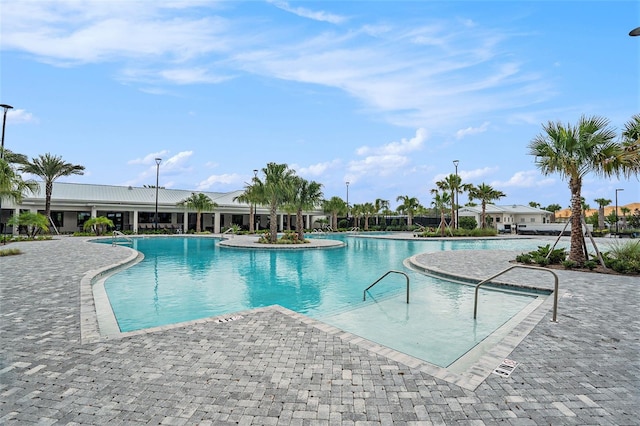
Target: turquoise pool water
<point x="182" y="279"/>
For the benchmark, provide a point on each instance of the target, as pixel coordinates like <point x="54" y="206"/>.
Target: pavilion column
<point x="216" y="223"/>
<point x="134" y="226"/>
<point x="185" y="222"/>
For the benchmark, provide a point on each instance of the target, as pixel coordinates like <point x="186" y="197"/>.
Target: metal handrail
<point x="536" y="268"/>
<point x="118" y="234"/>
<point x="364" y="295"/>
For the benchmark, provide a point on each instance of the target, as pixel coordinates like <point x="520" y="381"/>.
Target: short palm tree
<point x="98" y="224"/>
<point x="334" y="206"/>
<point x="602" y="203"/>
<point x="575" y="151"/>
<point x="12" y="187"/>
<point x="441" y="202"/>
<point x="34" y="222"/>
<point x="49" y="168"/>
<point x="409" y="206"/>
<point x="485" y="194"/>
<point x="200" y="203"/>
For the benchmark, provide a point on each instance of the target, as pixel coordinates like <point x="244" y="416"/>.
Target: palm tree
<point x="49" y="168"/>
<point x="200" y="203"/>
<point x="602" y="203"/>
<point x="356" y="213"/>
<point x="453" y="184"/>
<point x="98" y="224"/>
<point x="408" y="207"/>
<point x="277" y="189"/>
<point x="12" y="187"/>
<point x="534" y="204"/>
<point x="250" y="196"/>
<point x="34" y="222"/>
<point x="334" y="206"/>
<point x="380" y="205"/>
<point x="625" y="211"/>
<point x="368" y="209"/>
<point x="575" y="151"/>
<point x="485" y="194"/>
<point x="307" y="197"/>
<point x="441" y="201"/>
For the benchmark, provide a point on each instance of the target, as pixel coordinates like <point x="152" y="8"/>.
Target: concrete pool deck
<point x="273" y="367"/>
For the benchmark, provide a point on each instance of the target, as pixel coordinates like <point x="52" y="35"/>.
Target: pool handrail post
<point x="537" y="268"/>
<point x="364" y="293"/>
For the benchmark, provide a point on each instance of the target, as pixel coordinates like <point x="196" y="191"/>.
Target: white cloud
<point x="526" y="179"/>
<point x="397" y="148"/>
<point x="307" y="13"/>
<point x="232" y="179"/>
<point x="472" y="130"/>
<point x="15" y="116"/>
<point x="149" y="158"/>
<point x="316" y="170"/>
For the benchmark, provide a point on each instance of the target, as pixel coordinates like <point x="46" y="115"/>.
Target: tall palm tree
<point x="408" y="207"/>
<point x="49" y="168"/>
<point x="625" y="211"/>
<point x="485" y="194"/>
<point x="334" y="206"/>
<point x="308" y="195"/>
<point x="200" y="203"/>
<point x="441" y="202"/>
<point x="250" y="196"/>
<point x="277" y="189"/>
<point x="602" y="203"/>
<point x="575" y="151"/>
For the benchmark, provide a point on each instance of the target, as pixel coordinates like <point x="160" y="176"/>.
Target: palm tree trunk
<point x="483" y="215"/>
<point x="198" y="222"/>
<point x="576" y="252"/>
<point x="273" y="224"/>
<point x="299" y="225"/>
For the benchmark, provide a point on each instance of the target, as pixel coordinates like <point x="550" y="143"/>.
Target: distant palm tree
<point x="251" y="196"/>
<point x="625" y="211"/>
<point x="307" y="196"/>
<point x="453" y="184"/>
<point x="49" y="168"/>
<point x="380" y="206"/>
<point x="534" y="204"/>
<point x="485" y="194"/>
<point x="334" y="206"/>
<point x="277" y="189"/>
<point x="575" y="151"/>
<point x="368" y="209"/>
<point x="408" y="207"/>
<point x="602" y="203"/>
<point x="441" y="202"/>
<point x="200" y="203"/>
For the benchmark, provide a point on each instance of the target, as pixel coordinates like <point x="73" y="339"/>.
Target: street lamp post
<point x="253" y="206"/>
<point x="347" y="202"/>
<point x="155" y="218"/>
<point x="4" y="122"/>
<point x="635" y="32"/>
<point x="455" y="163"/>
<point x="617" y="210"/>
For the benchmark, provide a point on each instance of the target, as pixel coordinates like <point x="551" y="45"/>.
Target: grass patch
<point x="9" y="252"/>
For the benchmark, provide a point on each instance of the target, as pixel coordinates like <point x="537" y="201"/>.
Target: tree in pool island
<point x="277" y="189"/>
<point x="574" y="151"/>
<point x="307" y="196"/>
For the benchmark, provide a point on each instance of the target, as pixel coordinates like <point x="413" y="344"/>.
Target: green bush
<point x="9" y="252"/>
<point x="569" y="264"/>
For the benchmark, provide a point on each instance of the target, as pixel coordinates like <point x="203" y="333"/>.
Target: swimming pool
<point x="182" y="279"/>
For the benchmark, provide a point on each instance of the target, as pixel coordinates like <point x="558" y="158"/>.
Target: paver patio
<point x="270" y="367"/>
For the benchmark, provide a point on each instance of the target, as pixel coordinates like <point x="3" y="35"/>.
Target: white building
<point x="133" y="209"/>
<point x="507" y="218"/>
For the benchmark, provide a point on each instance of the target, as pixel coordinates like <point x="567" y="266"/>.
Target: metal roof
<point x="109" y="194"/>
<point x="512" y="209"/>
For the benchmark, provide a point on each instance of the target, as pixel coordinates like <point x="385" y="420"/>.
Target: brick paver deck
<point x="271" y="367"/>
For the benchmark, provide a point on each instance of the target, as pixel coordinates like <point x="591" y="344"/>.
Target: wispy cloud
<point x="526" y="179"/>
<point x="396" y="148"/>
<point x="16" y="116"/>
<point x="308" y="13"/>
<point x="222" y="181"/>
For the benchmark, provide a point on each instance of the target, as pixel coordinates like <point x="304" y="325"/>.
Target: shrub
<point x="569" y="264"/>
<point x="590" y="265"/>
<point x="9" y="252"/>
<point x="524" y="258"/>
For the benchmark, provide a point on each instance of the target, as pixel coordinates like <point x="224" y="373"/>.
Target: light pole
<point x="347" y="202"/>
<point x="253" y="206"/>
<point x="4" y="122"/>
<point x="617" y="210"/>
<point x="155" y="218"/>
<point x="455" y="163"/>
<point x="635" y="32"/>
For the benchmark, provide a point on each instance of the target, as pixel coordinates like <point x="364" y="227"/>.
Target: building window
<point x="83" y="217"/>
<point x="56" y="217"/>
<point x="533" y="219"/>
<point x="522" y="220"/>
<point x="497" y="220"/>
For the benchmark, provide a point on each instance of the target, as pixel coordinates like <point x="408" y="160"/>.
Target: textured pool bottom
<point x="468" y="372"/>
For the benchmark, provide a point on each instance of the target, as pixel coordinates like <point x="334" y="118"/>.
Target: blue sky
<point x="382" y="94"/>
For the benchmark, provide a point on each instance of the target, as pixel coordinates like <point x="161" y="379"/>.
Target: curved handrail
<point x="118" y="234"/>
<point x="536" y="268"/>
<point x="364" y="294"/>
